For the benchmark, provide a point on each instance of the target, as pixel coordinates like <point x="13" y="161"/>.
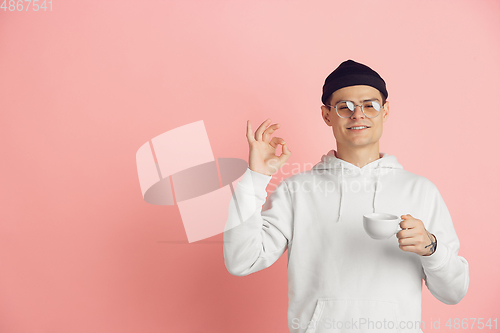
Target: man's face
<point x="340" y="126"/>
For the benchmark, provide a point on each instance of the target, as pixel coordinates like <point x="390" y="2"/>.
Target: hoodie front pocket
<point x="354" y="315"/>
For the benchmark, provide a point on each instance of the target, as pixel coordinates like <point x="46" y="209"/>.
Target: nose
<point x="358" y="113"/>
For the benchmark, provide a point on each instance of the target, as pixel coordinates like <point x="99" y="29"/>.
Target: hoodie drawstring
<point x="378" y="171"/>
<point x="331" y="162"/>
<point x="341" y="191"/>
<point x="376" y="187"/>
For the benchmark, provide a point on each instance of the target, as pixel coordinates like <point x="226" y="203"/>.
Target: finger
<point x="270" y="130"/>
<point x="400" y="234"/>
<point x="403" y="225"/>
<point x="250" y="137"/>
<point x="408" y="248"/>
<point x="405" y="233"/>
<point x="260" y="130"/>
<point x="276" y="141"/>
<point x="403" y="241"/>
<point x="407" y="217"/>
<point x="410" y="233"/>
<point x="408" y="224"/>
<point x="285" y="154"/>
<point x="408" y="241"/>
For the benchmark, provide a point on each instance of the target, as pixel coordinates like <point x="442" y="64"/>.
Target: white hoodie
<point x="340" y="279"/>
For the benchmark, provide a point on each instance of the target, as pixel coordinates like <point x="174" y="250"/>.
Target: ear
<point x="385" y="113"/>
<point x="326" y="114"/>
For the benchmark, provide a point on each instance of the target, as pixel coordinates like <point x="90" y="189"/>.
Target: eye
<point x="350" y="105"/>
<point x="376" y="106"/>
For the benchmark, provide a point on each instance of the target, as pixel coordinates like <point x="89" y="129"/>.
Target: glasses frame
<point x="360" y="105"/>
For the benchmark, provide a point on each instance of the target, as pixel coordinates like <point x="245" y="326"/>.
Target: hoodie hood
<point x="381" y="166"/>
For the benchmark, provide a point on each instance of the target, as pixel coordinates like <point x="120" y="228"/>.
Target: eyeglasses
<point x="345" y="109"/>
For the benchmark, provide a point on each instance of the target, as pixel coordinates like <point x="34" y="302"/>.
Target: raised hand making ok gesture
<point x="262" y="152"/>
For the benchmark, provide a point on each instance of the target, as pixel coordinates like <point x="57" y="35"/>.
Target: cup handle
<point x="398" y="228"/>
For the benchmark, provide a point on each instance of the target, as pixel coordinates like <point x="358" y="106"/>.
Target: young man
<point x="340" y="279"/>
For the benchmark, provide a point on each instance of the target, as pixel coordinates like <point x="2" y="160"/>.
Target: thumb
<point x="285" y="153"/>
<point x="285" y="148"/>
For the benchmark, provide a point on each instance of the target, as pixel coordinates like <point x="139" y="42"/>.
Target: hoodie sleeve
<point x="255" y="236"/>
<point x="446" y="274"/>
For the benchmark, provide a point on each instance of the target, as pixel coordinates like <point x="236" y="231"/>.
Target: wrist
<point x="432" y="246"/>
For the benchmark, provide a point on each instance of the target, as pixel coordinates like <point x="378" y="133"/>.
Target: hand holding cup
<point x="412" y="237"/>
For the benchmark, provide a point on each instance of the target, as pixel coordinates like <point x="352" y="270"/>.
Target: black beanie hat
<point x="351" y="73"/>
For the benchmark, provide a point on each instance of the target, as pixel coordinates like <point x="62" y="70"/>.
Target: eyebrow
<point x="365" y="100"/>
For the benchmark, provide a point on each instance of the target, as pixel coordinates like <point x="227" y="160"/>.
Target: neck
<point x="359" y="156"/>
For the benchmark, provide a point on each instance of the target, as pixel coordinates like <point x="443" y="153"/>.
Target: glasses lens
<point x="345" y="109"/>
<point x="371" y="108"/>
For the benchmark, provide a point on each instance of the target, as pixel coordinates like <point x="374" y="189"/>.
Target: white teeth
<point x="360" y="127"/>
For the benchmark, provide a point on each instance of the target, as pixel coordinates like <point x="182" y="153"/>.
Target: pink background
<point x="84" y="86"/>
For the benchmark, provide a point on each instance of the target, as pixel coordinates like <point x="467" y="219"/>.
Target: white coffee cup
<point x="381" y="225"/>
